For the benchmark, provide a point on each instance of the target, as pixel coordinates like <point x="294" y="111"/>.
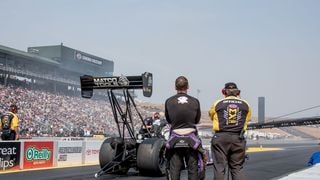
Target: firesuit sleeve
<point x="248" y="117"/>
<point x="213" y="116"/>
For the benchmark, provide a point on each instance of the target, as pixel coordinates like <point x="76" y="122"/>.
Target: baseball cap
<point x="230" y="85"/>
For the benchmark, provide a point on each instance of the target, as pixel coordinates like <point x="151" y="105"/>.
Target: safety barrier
<point x="34" y="154"/>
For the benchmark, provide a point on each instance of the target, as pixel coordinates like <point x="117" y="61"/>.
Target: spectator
<point x="314" y="159"/>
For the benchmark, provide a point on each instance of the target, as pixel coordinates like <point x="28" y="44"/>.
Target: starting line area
<point x="262" y="149"/>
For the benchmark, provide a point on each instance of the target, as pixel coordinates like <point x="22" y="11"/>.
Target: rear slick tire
<point x="107" y="155"/>
<point x="150" y="157"/>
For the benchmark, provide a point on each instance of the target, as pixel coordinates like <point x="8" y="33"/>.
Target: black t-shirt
<point x="182" y="111"/>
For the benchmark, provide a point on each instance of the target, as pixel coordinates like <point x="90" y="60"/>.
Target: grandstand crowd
<point x="47" y="114"/>
<point x="43" y="113"/>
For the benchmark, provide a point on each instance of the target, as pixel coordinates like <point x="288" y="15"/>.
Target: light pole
<point x="198" y="92"/>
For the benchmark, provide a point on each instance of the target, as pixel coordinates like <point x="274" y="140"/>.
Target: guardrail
<point x="286" y="123"/>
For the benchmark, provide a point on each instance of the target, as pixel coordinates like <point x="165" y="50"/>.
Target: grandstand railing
<point x="32" y="74"/>
<point x="286" y="123"/>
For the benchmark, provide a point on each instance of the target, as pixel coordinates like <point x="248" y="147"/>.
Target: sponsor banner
<point x="38" y="154"/>
<point x="91" y="152"/>
<point x="72" y="139"/>
<point x="86" y="58"/>
<point x="69" y="153"/>
<point x="9" y="155"/>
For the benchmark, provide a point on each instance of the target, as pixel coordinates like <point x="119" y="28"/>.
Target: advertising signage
<point x="9" y="156"/>
<point x="91" y="152"/>
<point x="38" y="154"/>
<point x="86" y="58"/>
<point x="69" y="153"/>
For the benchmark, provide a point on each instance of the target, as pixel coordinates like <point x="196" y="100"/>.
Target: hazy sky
<point x="270" y="48"/>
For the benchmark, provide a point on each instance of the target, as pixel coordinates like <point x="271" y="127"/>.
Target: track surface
<point x="262" y="165"/>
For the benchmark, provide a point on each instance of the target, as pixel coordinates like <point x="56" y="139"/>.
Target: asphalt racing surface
<point x="261" y="165"/>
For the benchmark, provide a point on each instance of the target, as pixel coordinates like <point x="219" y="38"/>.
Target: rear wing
<point x="144" y="82"/>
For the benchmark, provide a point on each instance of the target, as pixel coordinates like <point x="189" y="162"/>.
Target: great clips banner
<point x="38" y="154"/>
<point x="9" y="155"/>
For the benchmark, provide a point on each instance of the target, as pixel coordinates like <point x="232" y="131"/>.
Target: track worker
<point x="182" y="112"/>
<point x="148" y="121"/>
<point x="230" y="117"/>
<point x="9" y="124"/>
<point x="158" y="123"/>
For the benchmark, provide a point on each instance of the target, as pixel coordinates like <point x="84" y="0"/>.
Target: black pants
<point x="228" y="149"/>
<point x="8" y="136"/>
<point x="177" y="163"/>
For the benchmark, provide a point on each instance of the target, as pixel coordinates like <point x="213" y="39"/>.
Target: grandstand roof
<point x="62" y="46"/>
<point x="19" y="53"/>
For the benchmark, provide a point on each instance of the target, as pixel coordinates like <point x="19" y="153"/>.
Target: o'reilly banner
<point x="9" y="155"/>
<point x="38" y="154"/>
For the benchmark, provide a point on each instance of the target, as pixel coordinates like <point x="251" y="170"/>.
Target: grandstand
<point x="45" y="84"/>
<point x="52" y="68"/>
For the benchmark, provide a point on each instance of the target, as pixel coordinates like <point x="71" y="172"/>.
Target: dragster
<point x="119" y="154"/>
